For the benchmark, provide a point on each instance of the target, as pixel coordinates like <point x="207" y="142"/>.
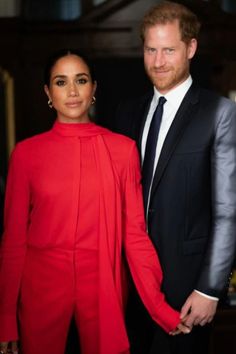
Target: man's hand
<point x="198" y="310"/>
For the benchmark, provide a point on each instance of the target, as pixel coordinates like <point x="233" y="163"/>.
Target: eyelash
<point x="80" y="81"/>
<point x="153" y="50"/>
<point x="169" y="50"/>
<point x="60" y="83"/>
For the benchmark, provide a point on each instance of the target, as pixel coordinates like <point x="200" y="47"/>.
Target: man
<point x="190" y="197"/>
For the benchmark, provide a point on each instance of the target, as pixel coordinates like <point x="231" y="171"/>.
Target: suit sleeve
<point x="220" y="254"/>
<point x="141" y="255"/>
<point x="13" y="243"/>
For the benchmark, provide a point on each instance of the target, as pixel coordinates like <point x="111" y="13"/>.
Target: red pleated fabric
<point x="42" y="212"/>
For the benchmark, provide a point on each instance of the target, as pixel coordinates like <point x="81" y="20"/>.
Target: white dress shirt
<point x="170" y="108"/>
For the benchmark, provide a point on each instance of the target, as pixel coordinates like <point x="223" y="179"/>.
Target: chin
<point x="160" y="87"/>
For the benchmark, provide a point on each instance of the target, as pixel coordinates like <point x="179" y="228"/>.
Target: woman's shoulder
<point x="27" y="145"/>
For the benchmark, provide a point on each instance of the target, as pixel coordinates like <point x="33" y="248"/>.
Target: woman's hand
<point x="181" y="328"/>
<point x="9" y="347"/>
<point x="3" y="347"/>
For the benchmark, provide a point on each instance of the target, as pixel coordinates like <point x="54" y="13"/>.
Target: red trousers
<point x="56" y="285"/>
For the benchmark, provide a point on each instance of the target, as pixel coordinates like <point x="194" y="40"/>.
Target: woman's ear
<point x="46" y="90"/>
<point x="94" y="87"/>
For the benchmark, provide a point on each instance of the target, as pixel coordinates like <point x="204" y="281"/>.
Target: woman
<point x="73" y="207"/>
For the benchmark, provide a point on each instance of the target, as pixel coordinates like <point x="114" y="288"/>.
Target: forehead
<point x="70" y="63"/>
<point x="163" y="33"/>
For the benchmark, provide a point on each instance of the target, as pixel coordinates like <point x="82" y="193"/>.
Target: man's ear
<point x="192" y="47"/>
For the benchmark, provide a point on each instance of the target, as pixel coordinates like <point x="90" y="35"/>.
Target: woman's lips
<point x="73" y="104"/>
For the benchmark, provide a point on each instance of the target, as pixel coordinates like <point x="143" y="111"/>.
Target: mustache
<point x="160" y="69"/>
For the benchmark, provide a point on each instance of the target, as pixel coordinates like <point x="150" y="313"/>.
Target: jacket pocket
<point x="195" y="246"/>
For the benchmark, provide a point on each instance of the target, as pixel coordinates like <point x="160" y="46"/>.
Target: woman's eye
<point x="60" y="82"/>
<point x="82" y="81"/>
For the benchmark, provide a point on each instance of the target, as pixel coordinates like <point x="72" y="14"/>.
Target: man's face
<point x="166" y="56"/>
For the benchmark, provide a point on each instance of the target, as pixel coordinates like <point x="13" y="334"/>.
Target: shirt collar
<point x="78" y="129"/>
<point x="176" y="95"/>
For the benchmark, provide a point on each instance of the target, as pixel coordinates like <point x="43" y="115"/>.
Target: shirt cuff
<point x="207" y="296"/>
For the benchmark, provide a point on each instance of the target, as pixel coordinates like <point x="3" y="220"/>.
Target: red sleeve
<point x="13" y="243"/>
<point x="141" y="256"/>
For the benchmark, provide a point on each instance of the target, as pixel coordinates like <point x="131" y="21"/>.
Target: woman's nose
<point x="73" y="91"/>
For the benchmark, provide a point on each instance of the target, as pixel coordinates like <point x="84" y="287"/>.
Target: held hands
<point x="181" y="328"/>
<point x="8" y="347"/>
<point x="198" y="310"/>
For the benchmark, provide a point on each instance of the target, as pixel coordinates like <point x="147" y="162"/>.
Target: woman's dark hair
<point x="61" y="54"/>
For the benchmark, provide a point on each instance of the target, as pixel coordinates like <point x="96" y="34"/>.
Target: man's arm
<point x="220" y="254"/>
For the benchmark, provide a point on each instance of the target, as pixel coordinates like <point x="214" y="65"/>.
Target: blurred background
<point x="108" y="32"/>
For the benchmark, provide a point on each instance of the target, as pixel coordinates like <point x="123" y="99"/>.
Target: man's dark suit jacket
<point x="192" y="210"/>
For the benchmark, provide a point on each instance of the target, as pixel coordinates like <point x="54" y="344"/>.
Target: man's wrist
<point x="207" y="296"/>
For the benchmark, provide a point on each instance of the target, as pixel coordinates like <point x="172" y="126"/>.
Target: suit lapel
<point x="183" y="116"/>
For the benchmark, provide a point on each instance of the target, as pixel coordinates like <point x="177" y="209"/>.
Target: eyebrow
<point x="65" y="76"/>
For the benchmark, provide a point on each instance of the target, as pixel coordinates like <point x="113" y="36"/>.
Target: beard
<point x="166" y="78"/>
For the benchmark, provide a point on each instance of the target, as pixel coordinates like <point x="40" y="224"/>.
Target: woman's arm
<point x="141" y="256"/>
<point x="13" y="243"/>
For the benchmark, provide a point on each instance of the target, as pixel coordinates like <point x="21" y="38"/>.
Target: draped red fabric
<point x="41" y="211"/>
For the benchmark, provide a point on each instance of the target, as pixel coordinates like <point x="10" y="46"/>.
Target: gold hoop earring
<point x="93" y="100"/>
<point x="50" y="104"/>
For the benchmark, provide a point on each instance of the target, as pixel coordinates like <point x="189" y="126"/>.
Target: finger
<point x="203" y="323"/>
<point x="210" y="319"/>
<point x="185" y="310"/>
<point x="183" y="328"/>
<point x="200" y="319"/>
<point x="174" y="333"/>
<point x="189" y="321"/>
<point x="184" y="318"/>
<point x="193" y="319"/>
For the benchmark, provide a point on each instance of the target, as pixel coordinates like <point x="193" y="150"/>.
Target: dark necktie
<point x="150" y="150"/>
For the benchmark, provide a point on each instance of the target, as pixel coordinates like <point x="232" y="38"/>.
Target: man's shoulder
<point x="209" y="95"/>
<point x="130" y="113"/>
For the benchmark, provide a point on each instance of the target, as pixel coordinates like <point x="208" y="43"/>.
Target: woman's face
<point x="71" y="89"/>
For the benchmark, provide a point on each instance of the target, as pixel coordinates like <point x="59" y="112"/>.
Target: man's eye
<point x="169" y="50"/>
<point x="150" y="50"/>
